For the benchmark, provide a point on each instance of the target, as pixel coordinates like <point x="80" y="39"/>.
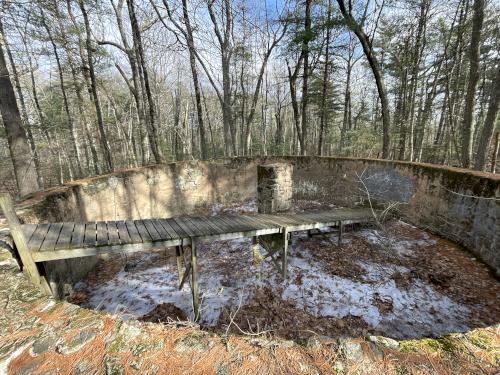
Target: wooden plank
<point x="78" y="236"/>
<point x="28" y="230"/>
<point x="211" y="224"/>
<point x="123" y="232"/>
<point x="141" y="228"/>
<point x="234" y="224"/>
<point x="64" y="240"/>
<point x="38" y="236"/>
<point x="50" y="240"/>
<point x="180" y="232"/>
<point x="194" y="279"/>
<point x="171" y="232"/>
<point x="264" y="222"/>
<point x="102" y="233"/>
<point x="224" y="227"/>
<point x="90" y="234"/>
<point x="280" y="220"/>
<point x="153" y="232"/>
<point x="199" y="226"/>
<point x="29" y="267"/>
<point x="133" y="232"/>
<point x="284" y="253"/>
<point x="44" y="256"/>
<point x="228" y="226"/>
<point x="244" y="222"/>
<point x="161" y="230"/>
<point x="341" y="231"/>
<point x="114" y="238"/>
<point x="186" y="227"/>
<point x="255" y="221"/>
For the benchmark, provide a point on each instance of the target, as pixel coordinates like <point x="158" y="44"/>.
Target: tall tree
<point x="144" y="74"/>
<point x="326" y="77"/>
<point x="489" y="122"/>
<point x="93" y="87"/>
<point x="366" y="43"/>
<point x="20" y="151"/>
<point x="196" y="83"/>
<point x="305" y="79"/>
<point x="467" y="123"/>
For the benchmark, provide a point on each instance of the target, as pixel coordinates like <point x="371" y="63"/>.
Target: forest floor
<point x="335" y="314"/>
<point x="400" y="282"/>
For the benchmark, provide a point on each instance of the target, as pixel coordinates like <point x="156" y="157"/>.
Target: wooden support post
<point x="29" y="266"/>
<point x="284" y="254"/>
<point x="179" y="255"/>
<point x="194" y="280"/>
<point x="341" y="231"/>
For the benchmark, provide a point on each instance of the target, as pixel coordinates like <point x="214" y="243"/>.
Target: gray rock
<point x="385" y="341"/>
<point x="78" y="342"/>
<point x="44" y="344"/>
<point x="195" y="342"/>
<point x="377" y="352"/>
<point x="351" y="350"/>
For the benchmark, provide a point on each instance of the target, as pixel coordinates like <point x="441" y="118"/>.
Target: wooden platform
<point x="56" y="241"/>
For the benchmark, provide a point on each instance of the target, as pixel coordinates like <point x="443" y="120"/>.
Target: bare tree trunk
<point x="489" y="123"/>
<point x="305" y="82"/>
<point x="152" y="129"/>
<point x="20" y="151"/>
<point x="292" y="81"/>
<point x="69" y="117"/>
<point x="467" y="123"/>
<point x="377" y="73"/>
<point x="196" y="84"/>
<point x="24" y="112"/>
<point x="325" y="81"/>
<point x="494" y="155"/>
<point x="226" y="53"/>
<point x="93" y="86"/>
<point x="86" y="77"/>
<point x="347" y="117"/>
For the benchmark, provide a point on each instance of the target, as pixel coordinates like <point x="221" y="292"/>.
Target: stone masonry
<point x="274" y="187"/>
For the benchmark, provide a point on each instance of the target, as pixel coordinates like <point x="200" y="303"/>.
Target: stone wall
<point x="155" y="191"/>
<point x="461" y="205"/>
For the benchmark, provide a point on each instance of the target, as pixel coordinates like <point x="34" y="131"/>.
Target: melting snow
<point x="228" y="278"/>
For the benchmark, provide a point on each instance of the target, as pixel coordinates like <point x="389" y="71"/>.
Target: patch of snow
<point x="400" y="245"/>
<point x="325" y="295"/>
<point x="234" y="208"/>
<point x="227" y="278"/>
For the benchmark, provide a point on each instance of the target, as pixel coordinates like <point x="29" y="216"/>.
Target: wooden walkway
<point x="36" y="243"/>
<point x="55" y="241"/>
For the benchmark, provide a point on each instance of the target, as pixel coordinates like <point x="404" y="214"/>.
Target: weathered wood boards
<point x="29" y="266"/>
<point x="71" y="240"/>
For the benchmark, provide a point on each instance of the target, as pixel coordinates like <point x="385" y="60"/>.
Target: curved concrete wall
<point x="461" y="205"/>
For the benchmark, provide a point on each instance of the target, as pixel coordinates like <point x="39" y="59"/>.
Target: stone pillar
<point x="274" y="187"/>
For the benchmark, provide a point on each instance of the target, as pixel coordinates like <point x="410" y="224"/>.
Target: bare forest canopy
<point x="92" y="86"/>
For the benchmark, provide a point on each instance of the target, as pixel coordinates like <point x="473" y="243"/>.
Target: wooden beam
<point x="194" y="279"/>
<point x="341" y="231"/>
<point x="187" y="274"/>
<point x="179" y="256"/>
<point x="29" y="266"/>
<point x="284" y="253"/>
